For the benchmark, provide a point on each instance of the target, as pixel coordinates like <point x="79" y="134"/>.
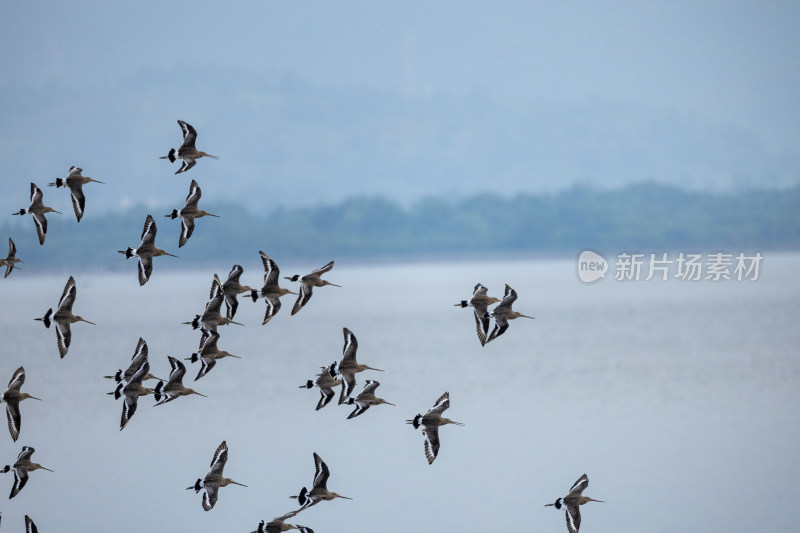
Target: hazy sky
<point x="313" y="102"/>
<point x="735" y="61"/>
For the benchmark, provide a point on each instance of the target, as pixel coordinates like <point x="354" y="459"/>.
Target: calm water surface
<point x="678" y="399"/>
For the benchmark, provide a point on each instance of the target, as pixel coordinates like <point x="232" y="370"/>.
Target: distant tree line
<point x="646" y="217"/>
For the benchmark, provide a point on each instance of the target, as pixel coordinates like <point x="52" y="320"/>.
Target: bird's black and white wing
<point x="321" y="473"/>
<point x="30" y="527"/>
<point x="500" y="327"/>
<point x="40" y="222"/>
<point x="20" y="479"/>
<point x="189" y="134"/>
<point x="348" y="384"/>
<point x="145" y="268"/>
<point x="306" y="290"/>
<point x="210" y="496"/>
<point x="441" y="405"/>
<point x="187" y="228"/>
<point x="194" y="195"/>
<point x="350" y="346"/>
<point x="481" y="324"/>
<point x="149" y="231"/>
<point x="431" y="434"/>
<point x="578" y="487"/>
<point x="78" y="199"/>
<point x="271" y="270"/>
<point x="63" y="336"/>
<point x="573" y="516"/>
<point x="324" y="269"/>
<point x="68" y="296"/>
<point x="273" y="306"/>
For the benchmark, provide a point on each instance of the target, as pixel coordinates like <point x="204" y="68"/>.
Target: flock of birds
<point x="130" y="382"/>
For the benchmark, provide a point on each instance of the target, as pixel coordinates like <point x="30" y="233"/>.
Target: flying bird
<point x="9" y="262"/>
<point x="572" y="502"/>
<point x="480" y="303"/>
<point x="189" y="213"/>
<point x="231" y="288"/>
<point x="211" y="317"/>
<point x="277" y="525"/>
<point x="12" y="397"/>
<point x="503" y="313"/>
<point x="75" y="182"/>
<point x="326" y="380"/>
<point x="430" y="423"/>
<point x="271" y="292"/>
<point x="139" y="357"/>
<point x="38" y="209"/>
<point x="348" y="366"/>
<point x="132" y="390"/>
<point x="366" y="398"/>
<point x="63" y="317"/>
<point x="187" y="152"/>
<point x="174" y="387"/>
<point x="214" y="479"/>
<point x="319" y="490"/>
<point x="146" y="250"/>
<point x="307" y="283"/>
<point x="209" y="354"/>
<point x="21" y="468"/>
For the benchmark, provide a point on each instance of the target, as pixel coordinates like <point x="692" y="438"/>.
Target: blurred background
<point x="425" y="147"/>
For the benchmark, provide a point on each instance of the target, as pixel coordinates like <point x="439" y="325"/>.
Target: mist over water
<point x="678" y="399"/>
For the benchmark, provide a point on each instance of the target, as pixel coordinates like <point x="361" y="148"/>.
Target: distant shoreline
<point x="648" y="218"/>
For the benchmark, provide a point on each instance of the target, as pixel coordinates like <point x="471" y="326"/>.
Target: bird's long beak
<point x="237" y="323"/>
<point x="389" y="403"/>
<point x="203" y="395"/>
<point x="213" y="215"/>
<point x="171" y="255"/>
<point x="335" y="285"/>
<point x="84" y="320"/>
<point x="593" y="500"/>
<point x="236" y="356"/>
<point x="370" y="368"/>
<point x="240" y="484"/>
<point x="526" y="316"/>
<point x="209" y="155"/>
<point x="60" y="213"/>
<point x="35" y="398"/>
<point x="43" y="468"/>
<point x="345" y="497"/>
<point x="97" y="181"/>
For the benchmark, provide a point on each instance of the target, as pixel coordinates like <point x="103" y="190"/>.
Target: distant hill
<point x="284" y="141"/>
<point x="644" y="217"/>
